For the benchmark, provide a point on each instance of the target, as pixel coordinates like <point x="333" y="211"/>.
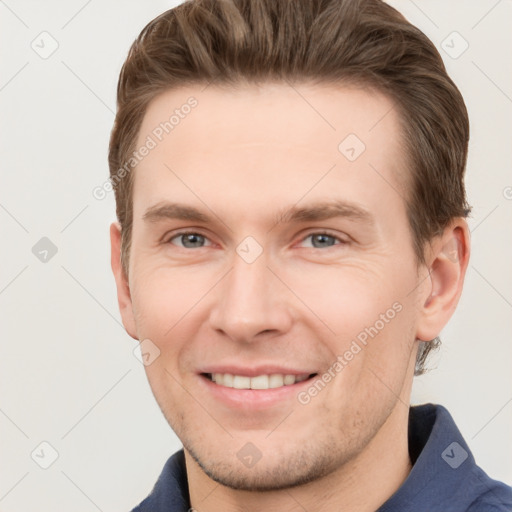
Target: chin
<point x="294" y="467"/>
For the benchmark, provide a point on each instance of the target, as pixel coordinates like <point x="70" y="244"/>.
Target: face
<point x="271" y="247"/>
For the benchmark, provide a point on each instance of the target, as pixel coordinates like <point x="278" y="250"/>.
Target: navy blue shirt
<point x="444" y="476"/>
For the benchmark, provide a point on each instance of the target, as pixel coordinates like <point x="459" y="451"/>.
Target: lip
<point x="254" y="371"/>
<point x="253" y="399"/>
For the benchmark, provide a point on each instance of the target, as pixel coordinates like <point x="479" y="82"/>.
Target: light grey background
<point x="68" y="375"/>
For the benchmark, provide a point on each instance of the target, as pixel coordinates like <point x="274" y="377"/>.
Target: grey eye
<point x="189" y="240"/>
<point x="320" y="240"/>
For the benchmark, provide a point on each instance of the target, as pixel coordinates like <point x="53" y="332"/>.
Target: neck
<point x="361" y="485"/>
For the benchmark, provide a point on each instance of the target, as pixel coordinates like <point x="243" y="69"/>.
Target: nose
<point x="251" y="303"/>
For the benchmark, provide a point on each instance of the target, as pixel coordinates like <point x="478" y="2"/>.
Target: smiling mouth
<point x="270" y="381"/>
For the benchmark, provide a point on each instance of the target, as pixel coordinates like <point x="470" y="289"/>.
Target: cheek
<point x="163" y="297"/>
<point x="346" y="298"/>
<point x="365" y="316"/>
<point x="169" y="308"/>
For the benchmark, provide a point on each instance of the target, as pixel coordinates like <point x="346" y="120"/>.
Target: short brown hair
<point x="362" y="42"/>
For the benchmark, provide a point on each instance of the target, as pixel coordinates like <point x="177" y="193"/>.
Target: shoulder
<point x="493" y="496"/>
<point x="445" y="476"/>
<point x="171" y="490"/>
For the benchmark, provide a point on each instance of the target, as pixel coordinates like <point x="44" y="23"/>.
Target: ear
<point x="447" y="261"/>
<point x="123" y="289"/>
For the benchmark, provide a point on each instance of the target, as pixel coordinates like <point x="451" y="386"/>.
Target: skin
<point x="243" y="156"/>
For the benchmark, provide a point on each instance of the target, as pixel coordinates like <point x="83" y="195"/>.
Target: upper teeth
<point x="259" y="382"/>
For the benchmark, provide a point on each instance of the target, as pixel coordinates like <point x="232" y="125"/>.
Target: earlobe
<point x="123" y="289"/>
<point x="449" y="257"/>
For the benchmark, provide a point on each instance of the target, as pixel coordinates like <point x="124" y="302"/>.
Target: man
<point x="289" y="183"/>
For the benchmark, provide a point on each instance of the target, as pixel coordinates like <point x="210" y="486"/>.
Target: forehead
<point x="268" y="140"/>
<point x="263" y="111"/>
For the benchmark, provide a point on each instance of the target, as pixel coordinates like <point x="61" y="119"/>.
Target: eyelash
<point x="326" y="233"/>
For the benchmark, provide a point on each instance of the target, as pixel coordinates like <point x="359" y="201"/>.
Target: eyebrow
<point x="315" y="212"/>
<point x="324" y="211"/>
<point x="176" y="211"/>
